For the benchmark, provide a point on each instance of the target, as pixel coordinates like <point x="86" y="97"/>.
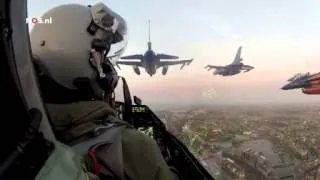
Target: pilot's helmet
<point x="75" y="51"/>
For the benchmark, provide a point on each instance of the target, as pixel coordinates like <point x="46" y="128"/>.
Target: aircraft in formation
<point x="152" y="61"/>
<point x="231" y="69"/>
<point x="310" y="83"/>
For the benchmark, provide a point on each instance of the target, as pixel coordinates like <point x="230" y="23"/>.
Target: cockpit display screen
<point x="139" y="109"/>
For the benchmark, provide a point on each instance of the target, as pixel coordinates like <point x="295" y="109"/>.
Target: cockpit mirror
<point x="137" y="100"/>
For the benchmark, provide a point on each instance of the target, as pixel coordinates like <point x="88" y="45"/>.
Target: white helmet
<point x="74" y="50"/>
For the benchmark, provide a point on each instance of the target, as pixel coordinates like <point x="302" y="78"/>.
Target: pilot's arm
<point x="143" y="158"/>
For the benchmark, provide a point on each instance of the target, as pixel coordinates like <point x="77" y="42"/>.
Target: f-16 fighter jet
<point x="232" y="69"/>
<point x="310" y="83"/>
<point x="152" y="61"/>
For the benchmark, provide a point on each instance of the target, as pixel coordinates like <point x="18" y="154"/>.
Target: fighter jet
<point x="310" y="84"/>
<point x="232" y="69"/>
<point x="152" y="61"/>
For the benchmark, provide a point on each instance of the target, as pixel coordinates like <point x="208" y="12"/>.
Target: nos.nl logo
<point x="39" y="20"/>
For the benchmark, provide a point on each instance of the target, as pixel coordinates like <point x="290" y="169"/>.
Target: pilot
<point x="77" y="82"/>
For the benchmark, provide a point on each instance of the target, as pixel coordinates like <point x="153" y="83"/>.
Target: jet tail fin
<point x="149" y="30"/>
<point x="149" y="38"/>
<point x="237" y="58"/>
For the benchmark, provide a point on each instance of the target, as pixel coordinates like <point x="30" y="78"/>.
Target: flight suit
<point x="142" y="159"/>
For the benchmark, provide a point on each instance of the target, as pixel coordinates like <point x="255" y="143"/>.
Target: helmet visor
<point x="117" y="49"/>
<point x="108" y="20"/>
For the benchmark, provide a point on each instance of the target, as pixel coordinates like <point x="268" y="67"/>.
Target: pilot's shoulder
<point x="133" y="137"/>
<point x="78" y="112"/>
<point x="81" y="108"/>
<point x="136" y="143"/>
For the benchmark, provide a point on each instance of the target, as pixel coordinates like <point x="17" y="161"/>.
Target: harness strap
<point x="96" y="165"/>
<point x="105" y="150"/>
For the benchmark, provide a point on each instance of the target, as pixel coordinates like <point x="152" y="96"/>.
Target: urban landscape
<point x="251" y="142"/>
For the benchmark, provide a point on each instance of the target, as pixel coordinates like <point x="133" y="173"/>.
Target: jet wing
<point x="247" y="68"/>
<point x="166" y="56"/>
<point x="209" y="67"/>
<point x="171" y="63"/>
<point x="129" y="63"/>
<point x="238" y="58"/>
<point x="136" y="56"/>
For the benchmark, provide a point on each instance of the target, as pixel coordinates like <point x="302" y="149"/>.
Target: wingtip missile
<point x="247" y="68"/>
<point x="182" y="66"/>
<point x="208" y="67"/>
<point x="188" y="63"/>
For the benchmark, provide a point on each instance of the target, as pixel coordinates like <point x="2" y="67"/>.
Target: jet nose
<point x="286" y="87"/>
<point x="295" y="85"/>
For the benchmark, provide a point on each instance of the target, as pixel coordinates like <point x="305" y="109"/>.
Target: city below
<point x="251" y="142"/>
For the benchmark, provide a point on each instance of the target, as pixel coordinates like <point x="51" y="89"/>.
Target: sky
<point x="279" y="37"/>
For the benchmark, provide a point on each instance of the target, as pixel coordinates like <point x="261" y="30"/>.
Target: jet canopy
<point x="299" y="76"/>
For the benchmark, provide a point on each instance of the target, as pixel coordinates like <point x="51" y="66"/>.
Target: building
<point x="259" y="162"/>
<point x="233" y="170"/>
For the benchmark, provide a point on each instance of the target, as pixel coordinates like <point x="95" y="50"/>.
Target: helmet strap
<point x="92" y="28"/>
<point x="107" y="76"/>
<point x="96" y="61"/>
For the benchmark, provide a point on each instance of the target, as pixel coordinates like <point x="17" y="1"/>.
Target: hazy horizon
<point x="279" y="38"/>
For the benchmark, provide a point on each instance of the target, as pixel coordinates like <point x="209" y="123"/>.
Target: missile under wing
<point x="171" y="63"/>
